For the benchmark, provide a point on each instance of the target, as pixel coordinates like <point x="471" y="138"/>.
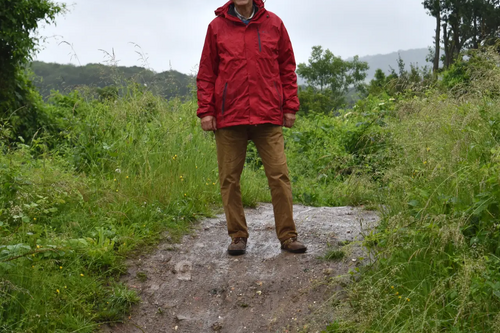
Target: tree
<point x="434" y="8"/>
<point x="19" y="21"/>
<point x="463" y="24"/>
<point x="332" y="76"/>
<point x="378" y="83"/>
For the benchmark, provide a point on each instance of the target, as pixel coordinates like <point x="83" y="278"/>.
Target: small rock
<point x="216" y="327"/>
<point x="183" y="270"/>
<point x="164" y="258"/>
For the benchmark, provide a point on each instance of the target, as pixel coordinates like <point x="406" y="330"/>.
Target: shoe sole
<point x="296" y="251"/>
<point x="236" y="252"/>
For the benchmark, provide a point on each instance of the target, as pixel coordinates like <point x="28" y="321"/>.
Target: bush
<point x="20" y="103"/>
<point x="437" y="247"/>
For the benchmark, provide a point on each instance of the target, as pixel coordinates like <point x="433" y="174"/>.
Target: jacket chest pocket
<point x="267" y="41"/>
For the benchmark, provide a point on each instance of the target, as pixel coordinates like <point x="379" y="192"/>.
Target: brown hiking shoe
<point x="238" y="246"/>
<point x="293" y="245"/>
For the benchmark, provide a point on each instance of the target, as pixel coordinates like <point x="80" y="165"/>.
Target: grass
<point x="438" y="243"/>
<point x="334" y="254"/>
<point x="118" y="177"/>
<point x="113" y="177"/>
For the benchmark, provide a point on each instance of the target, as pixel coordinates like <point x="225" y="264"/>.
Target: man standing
<point x="247" y="90"/>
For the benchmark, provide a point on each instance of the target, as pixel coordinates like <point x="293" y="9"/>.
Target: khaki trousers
<point x="231" y="153"/>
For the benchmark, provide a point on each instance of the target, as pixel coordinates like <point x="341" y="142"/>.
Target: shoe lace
<point x="238" y="239"/>
<point x="289" y="240"/>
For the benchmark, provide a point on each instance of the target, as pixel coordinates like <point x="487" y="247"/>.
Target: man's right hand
<point x="208" y="123"/>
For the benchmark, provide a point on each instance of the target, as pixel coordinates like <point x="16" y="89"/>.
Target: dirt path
<point x="196" y="287"/>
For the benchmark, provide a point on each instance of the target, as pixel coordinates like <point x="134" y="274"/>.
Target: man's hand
<point x="208" y="123"/>
<point x="288" y="120"/>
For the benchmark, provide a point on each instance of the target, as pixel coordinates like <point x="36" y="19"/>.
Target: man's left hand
<point x="288" y="120"/>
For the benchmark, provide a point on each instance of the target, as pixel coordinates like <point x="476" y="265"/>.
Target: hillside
<point x="387" y="61"/>
<point x="66" y="78"/>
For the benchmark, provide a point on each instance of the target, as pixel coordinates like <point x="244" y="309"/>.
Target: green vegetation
<point x="19" y="101"/>
<point x="68" y="216"/>
<point x="438" y="245"/>
<point x="329" y="79"/>
<point x="334" y="254"/>
<point x="462" y="25"/>
<point x="119" y="175"/>
<point x="108" y="81"/>
<point x="94" y="176"/>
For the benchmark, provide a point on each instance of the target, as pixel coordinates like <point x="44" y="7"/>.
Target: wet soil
<point x="195" y="286"/>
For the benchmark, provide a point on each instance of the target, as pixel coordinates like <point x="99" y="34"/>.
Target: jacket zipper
<point x="258" y="35"/>
<point x="279" y="96"/>
<point x="224" y="98"/>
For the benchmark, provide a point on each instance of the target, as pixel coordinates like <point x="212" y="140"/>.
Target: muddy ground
<point x="195" y="286"/>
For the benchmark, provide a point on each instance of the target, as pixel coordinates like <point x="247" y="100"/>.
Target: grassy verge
<point x="438" y="245"/>
<point x="109" y="183"/>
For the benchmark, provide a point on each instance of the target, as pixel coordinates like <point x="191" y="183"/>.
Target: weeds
<point x="118" y="175"/>
<point x="437" y="246"/>
<point x="334" y="254"/>
<point x="113" y="176"/>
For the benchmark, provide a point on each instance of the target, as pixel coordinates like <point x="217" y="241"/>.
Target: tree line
<point x="105" y="81"/>
<point x="462" y="25"/>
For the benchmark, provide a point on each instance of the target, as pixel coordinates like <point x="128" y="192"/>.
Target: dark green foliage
<point x="19" y="102"/>
<point x="21" y="107"/>
<point x="465" y="25"/>
<point x="105" y="80"/>
<point x="378" y="84"/>
<point x="312" y="100"/>
<point x="330" y="78"/>
<point x="456" y="76"/>
<point x="18" y="20"/>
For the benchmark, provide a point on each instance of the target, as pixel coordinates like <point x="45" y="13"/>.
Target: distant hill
<point x="387" y="61"/>
<point x="66" y="78"/>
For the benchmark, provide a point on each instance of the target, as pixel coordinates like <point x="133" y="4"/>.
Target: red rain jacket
<point x="247" y="72"/>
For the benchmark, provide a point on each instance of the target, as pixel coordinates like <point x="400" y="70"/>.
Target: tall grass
<point x="115" y="177"/>
<point x="438" y="245"/>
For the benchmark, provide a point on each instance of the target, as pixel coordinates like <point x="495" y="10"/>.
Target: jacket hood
<point x="222" y="11"/>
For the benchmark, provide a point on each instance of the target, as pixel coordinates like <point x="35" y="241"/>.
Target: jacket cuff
<point x="289" y="111"/>
<point x="202" y="114"/>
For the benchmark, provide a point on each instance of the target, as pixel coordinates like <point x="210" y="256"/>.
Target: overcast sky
<point x="171" y="33"/>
